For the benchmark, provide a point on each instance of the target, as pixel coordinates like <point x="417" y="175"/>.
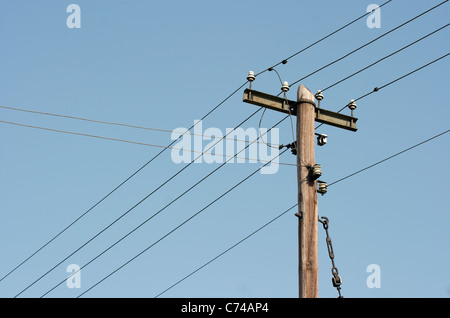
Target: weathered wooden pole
<point x="307" y="114"/>
<point x="307" y="196"/>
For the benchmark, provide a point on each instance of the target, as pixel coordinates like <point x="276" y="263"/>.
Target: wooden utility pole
<point x="307" y="196"/>
<point x="307" y="114"/>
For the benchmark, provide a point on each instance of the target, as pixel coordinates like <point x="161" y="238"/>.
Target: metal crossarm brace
<point x="289" y="107"/>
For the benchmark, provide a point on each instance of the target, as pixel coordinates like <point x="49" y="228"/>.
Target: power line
<point x="412" y="72"/>
<point x="174" y="148"/>
<point x="119" y="186"/>
<point x="386" y="85"/>
<point x="320" y="40"/>
<point x="247" y="236"/>
<point x="385" y="57"/>
<point x="377" y="89"/>
<point x="159" y="211"/>
<point x="157" y="155"/>
<point x="125" y="213"/>
<point x="284" y="212"/>
<point x="227" y="250"/>
<point x="368" y="43"/>
<point x="246" y="158"/>
<point x="177" y="227"/>
<point x="142" y="143"/>
<point x="166" y="130"/>
<point x="339" y="180"/>
<point x="137" y="171"/>
<point x="390" y="157"/>
<point x="107" y="123"/>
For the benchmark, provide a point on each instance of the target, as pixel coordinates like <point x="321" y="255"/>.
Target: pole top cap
<point x="304" y="94"/>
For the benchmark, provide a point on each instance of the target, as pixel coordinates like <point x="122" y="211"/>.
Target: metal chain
<point x="336" y="279"/>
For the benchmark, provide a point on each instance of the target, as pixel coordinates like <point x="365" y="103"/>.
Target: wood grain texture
<point x="307" y="197"/>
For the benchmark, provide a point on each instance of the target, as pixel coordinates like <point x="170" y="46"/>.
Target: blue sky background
<point x="166" y="64"/>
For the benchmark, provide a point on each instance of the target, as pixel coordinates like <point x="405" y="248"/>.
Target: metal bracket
<point x="336" y="119"/>
<point x="268" y="101"/>
<point x="289" y="107"/>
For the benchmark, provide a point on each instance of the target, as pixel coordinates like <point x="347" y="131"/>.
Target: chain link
<point x="336" y="279"/>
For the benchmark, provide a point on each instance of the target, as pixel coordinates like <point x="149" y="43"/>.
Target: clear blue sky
<point x="164" y="65"/>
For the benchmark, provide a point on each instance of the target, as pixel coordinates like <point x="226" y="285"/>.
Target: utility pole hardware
<point x="308" y="171"/>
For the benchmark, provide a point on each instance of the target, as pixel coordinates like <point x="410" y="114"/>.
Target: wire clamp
<point x="292" y="146"/>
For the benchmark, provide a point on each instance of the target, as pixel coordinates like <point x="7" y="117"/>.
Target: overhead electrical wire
<point x="141" y="143"/>
<point x="390" y="157"/>
<point x="260" y="228"/>
<point x="282" y="152"/>
<point x="165" y="207"/>
<point x="162" y="151"/>
<point x="289" y="209"/>
<point x="166" y="130"/>
<point x="112" y="123"/>
<point x="385" y="57"/>
<point x="129" y="210"/>
<point x="320" y="40"/>
<point x="246" y="158"/>
<point x="368" y="43"/>
<point x="179" y="226"/>
<point x="335" y="182"/>
<point x="119" y="186"/>
<point x="377" y="89"/>
<point x="227" y="250"/>
<point x="194" y="134"/>
<point x="174" y="148"/>
<point x="386" y="85"/>
<point x="272" y="145"/>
